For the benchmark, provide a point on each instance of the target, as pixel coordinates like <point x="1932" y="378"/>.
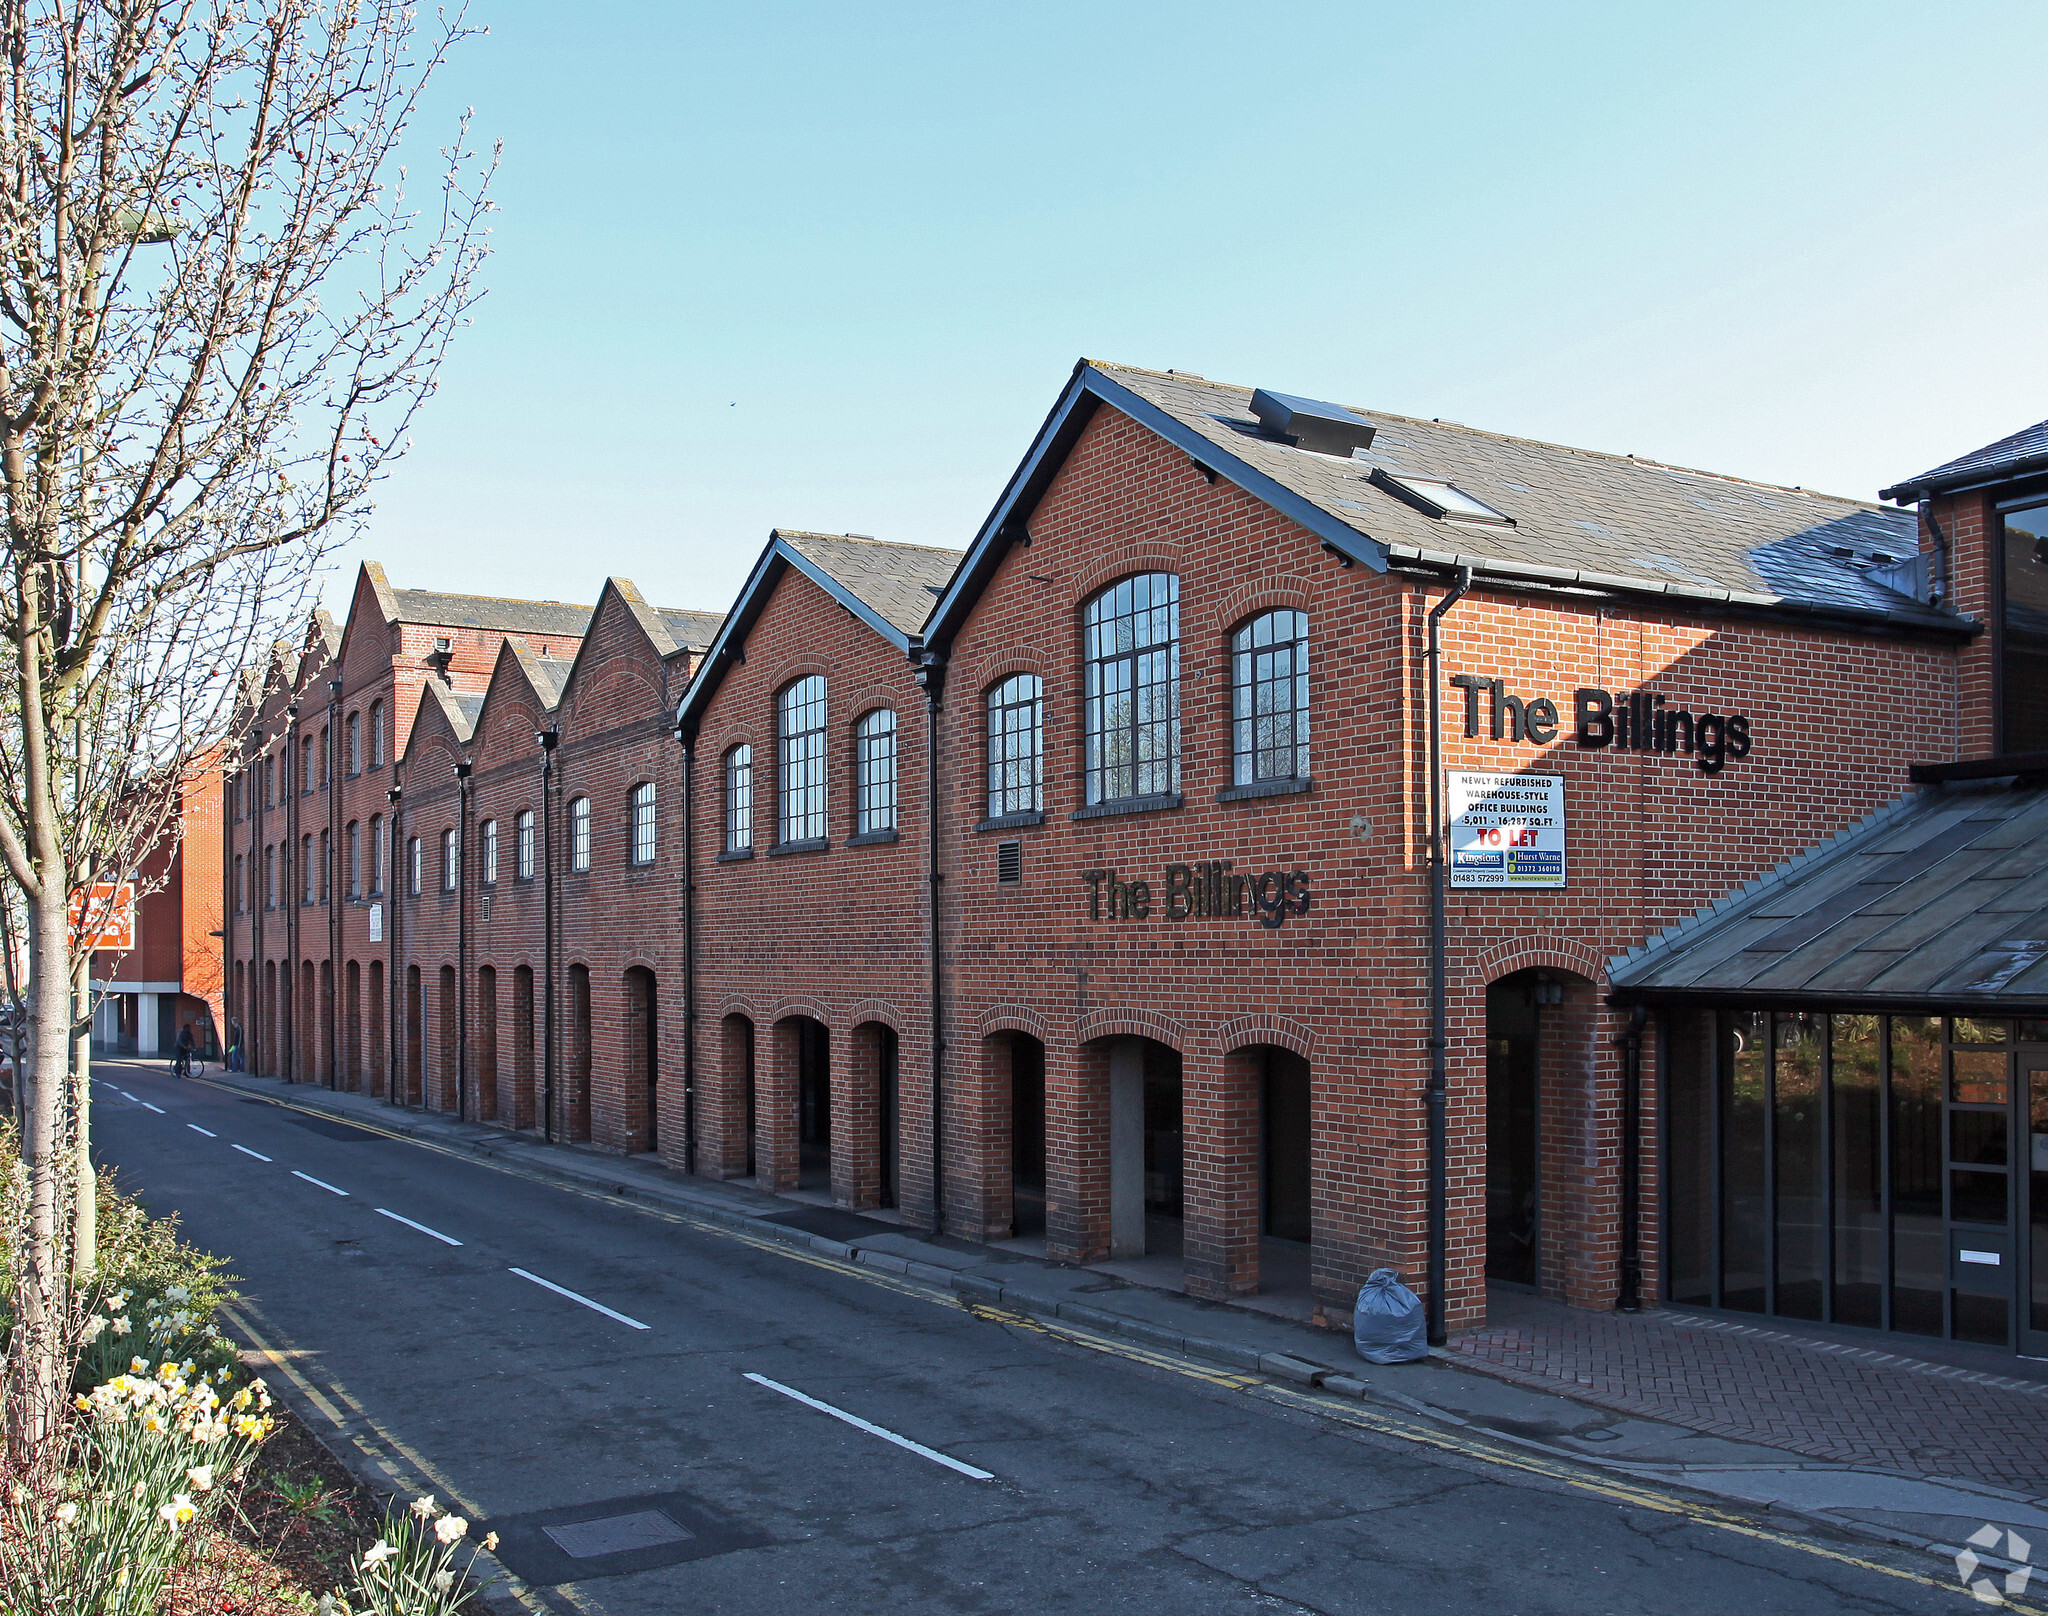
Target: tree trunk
<point x="38" y="1357"/>
<point x="85" y="1242"/>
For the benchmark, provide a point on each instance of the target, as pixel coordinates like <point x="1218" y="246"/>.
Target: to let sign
<point x="1507" y="830"/>
<point x="104" y="917"/>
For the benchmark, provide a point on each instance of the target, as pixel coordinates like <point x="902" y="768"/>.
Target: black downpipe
<point x="1437" y="1098"/>
<point x="931" y="675"/>
<point x="1630" y="1299"/>
<point x="689" y="741"/>
<point x="337" y="985"/>
<point x="462" y="772"/>
<point x="394" y="1050"/>
<point x="549" y="738"/>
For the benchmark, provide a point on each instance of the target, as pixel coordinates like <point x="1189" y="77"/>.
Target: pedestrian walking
<point x="234" y="1046"/>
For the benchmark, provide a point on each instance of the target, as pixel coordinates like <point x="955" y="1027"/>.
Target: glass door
<point x="2033" y="1177"/>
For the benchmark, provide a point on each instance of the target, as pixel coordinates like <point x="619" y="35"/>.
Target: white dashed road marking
<point x="246" y="1151"/>
<point x="872" y="1429"/>
<point x="159" y="1110"/>
<point x="595" y="1307"/>
<point x="207" y="1131"/>
<point x="310" y="1179"/>
<point x="446" y="1240"/>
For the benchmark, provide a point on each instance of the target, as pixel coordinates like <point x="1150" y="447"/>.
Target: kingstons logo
<point x="1990" y="1589"/>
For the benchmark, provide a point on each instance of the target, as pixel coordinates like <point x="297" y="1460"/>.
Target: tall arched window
<point x="354" y="743"/>
<point x="451" y="862"/>
<point x="800" y="739"/>
<point x="306" y="766"/>
<point x="739" y="799"/>
<point x="326" y="863"/>
<point x="376" y="735"/>
<point x="1016" y="741"/>
<point x="579" y="833"/>
<point x="414" y="858"/>
<point x="1269" y="699"/>
<point x="1131" y="701"/>
<point x="490" y="829"/>
<point x="874" y="772"/>
<point x="642" y="823"/>
<point x="522" y="842"/>
<point x="355" y="859"/>
<point x="306" y="864"/>
<point x="270" y="877"/>
<point x="377" y="854"/>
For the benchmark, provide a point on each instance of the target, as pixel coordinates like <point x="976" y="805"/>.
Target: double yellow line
<point x="1342" y="1411"/>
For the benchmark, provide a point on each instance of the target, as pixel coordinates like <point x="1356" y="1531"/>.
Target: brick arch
<point x="1266" y="1028"/>
<point x="1528" y="952"/>
<point x="791" y="671"/>
<point x="644" y="962"/>
<point x="1268" y="594"/>
<point x="736" y="1005"/>
<point x="1119" y="1023"/>
<point x="742" y="736"/>
<point x="875" y="1010"/>
<point x="1150" y="557"/>
<point x="785" y="1008"/>
<point x="992" y="670"/>
<point x="1012" y="1018"/>
<point x="857" y="704"/>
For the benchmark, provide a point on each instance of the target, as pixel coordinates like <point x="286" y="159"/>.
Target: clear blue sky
<point x="827" y="266"/>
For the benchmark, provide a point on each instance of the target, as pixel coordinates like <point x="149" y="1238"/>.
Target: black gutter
<point x="1989" y="475"/>
<point x="1437" y="1099"/>
<point x="1630" y="1299"/>
<point x="1898" y="1004"/>
<point x="931" y="676"/>
<point x="549" y="739"/>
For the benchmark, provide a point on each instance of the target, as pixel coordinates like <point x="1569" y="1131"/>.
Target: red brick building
<point x="1114" y="835"/>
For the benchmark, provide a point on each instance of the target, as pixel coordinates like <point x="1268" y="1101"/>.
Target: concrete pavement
<point x="509" y="1330"/>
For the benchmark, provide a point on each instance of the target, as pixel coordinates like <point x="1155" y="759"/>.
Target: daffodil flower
<point x="423" y="1506"/>
<point x="449" y="1528"/>
<point x="376" y="1554"/>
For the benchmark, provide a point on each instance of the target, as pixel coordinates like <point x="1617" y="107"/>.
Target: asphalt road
<point x="1113" y="1484"/>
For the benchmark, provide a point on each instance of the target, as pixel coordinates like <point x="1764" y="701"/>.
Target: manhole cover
<point x="611" y="1537"/>
<point x="616" y="1534"/>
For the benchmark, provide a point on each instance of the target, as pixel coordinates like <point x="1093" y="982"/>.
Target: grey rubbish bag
<point x="1387" y="1324"/>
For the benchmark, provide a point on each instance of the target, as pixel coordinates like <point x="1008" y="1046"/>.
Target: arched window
<point x="874" y="772"/>
<point x="326" y="863"/>
<point x="355" y="744"/>
<point x="238" y="883"/>
<point x="451" y="862"/>
<point x="376" y="735"/>
<point x="1016" y="743"/>
<point x="306" y="864"/>
<point x="800" y="739"/>
<point x="355" y="859"/>
<point x="522" y="842"/>
<point x="739" y="799"/>
<point x="490" y="828"/>
<point x="306" y="766"/>
<point x="579" y="833"/>
<point x="269" y="782"/>
<point x="1269" y="699"/>
<point x="641" y="823"/>
<point x="414" y="858"/>
<point x="1131" y="701"/>
<point x="377" y="854"/>
<point x="270" y="877"/>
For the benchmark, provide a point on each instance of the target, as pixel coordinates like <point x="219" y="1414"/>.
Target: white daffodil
<point x="423" y="1506"/>
<point x="443" y="1581"/>
<point x="449" y="1528"/>
<point x="377" y="1553"/>
<point x="490" y="1541"/>
<point x="66" y="1513"/>
<point x="177" y="1512"/>
<point x="201" y="1477"/>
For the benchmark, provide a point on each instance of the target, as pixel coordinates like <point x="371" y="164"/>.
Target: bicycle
<point x="195" y="1067"/>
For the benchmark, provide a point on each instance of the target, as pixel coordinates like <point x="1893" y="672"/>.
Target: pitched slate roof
<point x="900" y="581"/>
<point x="1579" y="516"/>
<point x="1582" y="522"/>
<point x="2022" y="452"/>
<point x="691" y="630"/>
<point x="491" y="612"/>
<point x="1939" y="900"/>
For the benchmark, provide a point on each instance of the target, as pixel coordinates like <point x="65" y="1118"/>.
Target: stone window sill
<point x="810" y="844"/>
<point x="1131" y="805"/>
<point x="1264" y="788"/>
<point x="735" y="855"/>
<point x="870" y="838"/>
<point x="1020" y="821"/>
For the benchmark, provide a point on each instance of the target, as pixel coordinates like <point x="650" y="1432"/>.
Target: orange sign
<point x="111" y="923"/>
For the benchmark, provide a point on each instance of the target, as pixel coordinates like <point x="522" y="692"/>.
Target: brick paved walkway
<point x="1851" y="1402"/>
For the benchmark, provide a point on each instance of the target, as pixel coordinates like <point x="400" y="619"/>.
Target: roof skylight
<point x="1434" y="497"/>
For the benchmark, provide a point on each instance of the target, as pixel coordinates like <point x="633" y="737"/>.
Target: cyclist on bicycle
<point x="182" y="1066"/>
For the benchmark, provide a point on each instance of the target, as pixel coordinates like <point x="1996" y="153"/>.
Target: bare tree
<point x="218" y="313"/>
